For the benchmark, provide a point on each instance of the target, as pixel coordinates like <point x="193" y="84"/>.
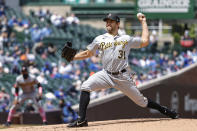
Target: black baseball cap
<point x="112" y="17"/>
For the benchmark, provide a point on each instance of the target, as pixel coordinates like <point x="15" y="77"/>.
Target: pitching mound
<point x="152" y="124"/>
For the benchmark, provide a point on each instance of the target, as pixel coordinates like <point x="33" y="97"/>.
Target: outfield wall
<point x="53" y="117"/>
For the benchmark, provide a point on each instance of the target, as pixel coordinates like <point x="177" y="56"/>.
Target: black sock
<point x="84" y="101"/>
<point x="154" y="105"/>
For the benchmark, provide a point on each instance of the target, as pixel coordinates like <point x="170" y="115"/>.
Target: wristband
<point x="40" y="90"/>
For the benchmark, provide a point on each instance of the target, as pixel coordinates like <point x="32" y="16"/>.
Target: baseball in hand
<point x="139" y="15"/>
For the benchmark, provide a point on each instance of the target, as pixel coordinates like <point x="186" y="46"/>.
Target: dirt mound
<point x="152" y="124"/>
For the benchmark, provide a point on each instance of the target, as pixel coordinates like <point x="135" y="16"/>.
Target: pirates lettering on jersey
<point x="106" y="45"/>
<point x="123" y="43"/>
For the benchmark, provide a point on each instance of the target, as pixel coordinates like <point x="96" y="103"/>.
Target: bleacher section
<point x="80" y="35"/>
<point x="56" y="33"/>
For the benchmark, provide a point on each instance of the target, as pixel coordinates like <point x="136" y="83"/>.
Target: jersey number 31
<point x="121" y="54"/>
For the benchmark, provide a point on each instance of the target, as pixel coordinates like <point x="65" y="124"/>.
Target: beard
<point x="109" y="29"/>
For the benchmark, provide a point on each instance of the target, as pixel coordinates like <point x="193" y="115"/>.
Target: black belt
<point x="116" y="73"/>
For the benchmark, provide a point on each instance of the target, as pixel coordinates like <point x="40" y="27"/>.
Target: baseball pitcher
<point x="115" y="50"/>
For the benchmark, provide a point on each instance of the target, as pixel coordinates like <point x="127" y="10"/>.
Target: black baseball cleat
<point x="78" y="123"/>
<point x="7" y="124"/>
<point x="169" y="113"/>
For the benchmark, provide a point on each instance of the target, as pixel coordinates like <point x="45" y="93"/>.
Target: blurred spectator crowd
<point x="55" y="19"/>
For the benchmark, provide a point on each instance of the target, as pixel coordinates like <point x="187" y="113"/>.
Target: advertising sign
<point x="166" y="9"/>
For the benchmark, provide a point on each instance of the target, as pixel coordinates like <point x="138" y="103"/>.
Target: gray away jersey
<point x="114" y="50"/>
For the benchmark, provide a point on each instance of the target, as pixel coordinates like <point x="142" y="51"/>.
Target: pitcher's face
<point x="111" y="25"/>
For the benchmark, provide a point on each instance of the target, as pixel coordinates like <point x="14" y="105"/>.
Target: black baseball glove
<point x="68" y="52"/>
